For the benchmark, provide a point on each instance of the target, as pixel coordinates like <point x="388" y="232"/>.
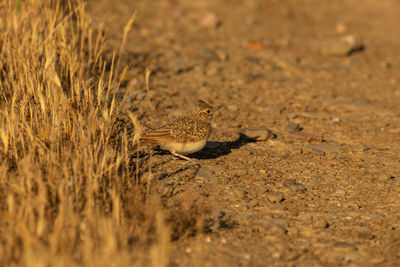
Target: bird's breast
<point x="184" y="148"/>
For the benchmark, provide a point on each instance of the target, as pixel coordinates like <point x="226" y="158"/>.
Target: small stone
<point x="289" y="182"/>
<point x="366" y="235"/>
<point x="258" y="134"/>
<point x="294" y="186"/>
<point x="210" y="21"/>
<point x="233" y="108"/>
<point x="341" y="28"/>
<point x="376" y="260"/>
<point x="211" y="70"/>
<point x="275" y="197"/>
<point x="344" y="247"/>
<point x="343" y="46"/>
<point x="369" y="216"/>
<point x="205" y="174"/>
<point x="253" y="203"/>
<point x="285" y="154"/>
<point x="293" y="127"/>
<point x="276" y="255"/>
<point x="247" y="257"/>
<point x="340" y="192"/>
<point x="366" y="147"/>
<point x="240" y="193"/>
<point x="277" y="226"/>
<point x="207" y="54"/>
<point x="335" y="119"/>
<point x="325" y="148"/>
<point x="222" y="55"/>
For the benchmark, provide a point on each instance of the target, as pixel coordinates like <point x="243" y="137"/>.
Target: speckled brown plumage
<point x="185" y="134"/>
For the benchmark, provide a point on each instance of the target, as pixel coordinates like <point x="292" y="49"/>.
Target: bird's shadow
<point x="215" y="149"/>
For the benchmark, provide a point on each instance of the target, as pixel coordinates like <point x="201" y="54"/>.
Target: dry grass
<point x="69" y="188"/>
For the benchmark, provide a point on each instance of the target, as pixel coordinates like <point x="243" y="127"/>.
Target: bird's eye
<point x="208" y="111"/>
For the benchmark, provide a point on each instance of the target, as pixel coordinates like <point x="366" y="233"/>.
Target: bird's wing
<point x="162" y="133"/>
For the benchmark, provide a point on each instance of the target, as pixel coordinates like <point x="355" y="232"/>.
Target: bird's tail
<point x="141" y="144"/>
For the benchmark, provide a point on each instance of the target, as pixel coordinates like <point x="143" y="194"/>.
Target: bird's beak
<point x="218" y="107"/>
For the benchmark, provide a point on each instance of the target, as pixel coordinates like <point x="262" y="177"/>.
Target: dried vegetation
<point x="70" y="191"/>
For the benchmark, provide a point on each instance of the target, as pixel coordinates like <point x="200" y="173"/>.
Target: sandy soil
<point x="323" y="76"/>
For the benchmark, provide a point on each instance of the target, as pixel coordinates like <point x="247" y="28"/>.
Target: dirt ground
<point x="323" y="76"/>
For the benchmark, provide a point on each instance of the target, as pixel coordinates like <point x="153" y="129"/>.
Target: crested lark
<point x="184" y="135"/>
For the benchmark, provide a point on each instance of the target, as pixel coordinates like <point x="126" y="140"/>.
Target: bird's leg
<point x="181" y="156"/>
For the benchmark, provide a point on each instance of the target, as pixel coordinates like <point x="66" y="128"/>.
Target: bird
<point x="184" y="135"/>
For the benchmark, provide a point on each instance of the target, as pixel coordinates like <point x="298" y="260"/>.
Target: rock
<point x="204" y="174"/>
<point x="210" y="21"/>
<point x="344" y="46"/>
<point x="258" y="134"/>
<point x="232" y="108"/>
<point x="293" y="127"/>
<point x="253" y="203"/>
<point x="222" y="55"/>
<point x="340" y="192"/>
<point x="370" y="216"/>
<point x="376" y="260"/>
<point x="289" y="182"/>
<point x="275" y="197"/>
<point x="365" y="235"/>
<point x="365" y="147"/>
<point x="325" y="148"/>
<point x="211" y="70"/>
<point x="341" y="28"/>
<point x="344" y="247"/>
<point x="240" y="193"/>
<point x="276" y="226"/>
<point x="294" y="186"/>
<point x="256" y="76"/>
<point x="335" y="119"/>
<point x="316" y="220"/>
<point x="207" y="54"/>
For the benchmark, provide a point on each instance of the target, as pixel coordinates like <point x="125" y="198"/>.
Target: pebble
<point x="366" y="235"/>
<point x="275" y="197"/>
<point x="210" y="21"/>
<point x="240" y="193"/>
<point x="344" y="247"/>
<point x="204" y="173"/>
<point x="376" y="260"/>
<point x="207" y="54"/>
<point x="325" y="148"/>
<point x="340" y="192"/>
<point x="233" y="108"/>
<point x="289" y="182"/>
<point x="277" y="225"/>
<point x="366" y="147"/>
<point x="247" y="257"/>
<point x="342" y="46"/>
<point x="258" y="134"/>
<point x="294" y="186"/>
<point x="253" y="203"/>
<point x="293" y="127"/>
<point x="369" y="216"/>
<point x="335" y="119"/>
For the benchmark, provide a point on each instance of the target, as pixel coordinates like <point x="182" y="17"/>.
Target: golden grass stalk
<point x="66" y="191"/>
